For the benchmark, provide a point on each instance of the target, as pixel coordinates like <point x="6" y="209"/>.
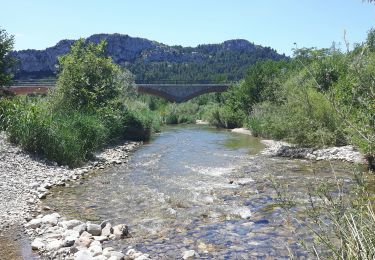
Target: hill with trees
<point x="153" y="61"/>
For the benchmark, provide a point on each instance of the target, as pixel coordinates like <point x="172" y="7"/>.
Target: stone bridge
<point x="174" y="91"/>
<point x="180" y="92"/>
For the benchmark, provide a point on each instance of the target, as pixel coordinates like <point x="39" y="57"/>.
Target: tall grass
<point x="69" y="137"/>
<point x="338" y="218"/>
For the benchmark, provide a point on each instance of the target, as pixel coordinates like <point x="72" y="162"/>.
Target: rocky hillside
<point x="151" y="61"/>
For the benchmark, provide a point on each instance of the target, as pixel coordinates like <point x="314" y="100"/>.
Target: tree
<point x="261" y="83"/>
<point x="6" y="60"/>
<point x="88" y="79"/>
<point x="370" y="41"/>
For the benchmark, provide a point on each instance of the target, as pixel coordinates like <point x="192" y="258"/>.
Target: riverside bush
<point x="67" y="138"/>
<point x="223" y="116"/>
<point x="306" y="118"/>
<point x="89" y="108"/>
<point x="70" y="137"/>
<point x="180" y="113"/>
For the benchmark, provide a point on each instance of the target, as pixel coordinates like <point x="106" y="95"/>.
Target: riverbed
<point x="199" y="188"/>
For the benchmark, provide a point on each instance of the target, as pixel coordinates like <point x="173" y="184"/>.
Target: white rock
<point x="51" y="219"/>
<point x="37" y="244"/>
<point x="118" y="255"/>
<point x="95" y="243"/>
<point x="107" y="251"/>
<point x="54" y="245"/>
<point x="243" y="212"/>
<point x="86" y="234"/>
<point x="70" y="224"/>
<point x="100" y="238"/>
<point x="120" y="231"/>
<point x="106" y="231"/>
<point x="244" y="181"/>
<point x="172" y="211"/>
<point x="83" y="255"/>
<point x="96" y="250"/>
<point x="130" y="252"/>
<point x="69" y="241"/>
<point x="71" y="233"/>
<point x="100" y="257"/>
<point x="189" y="254"/>
<point x="34" y="223"/>
<point x="143" y="257"/>
<point x="82" y="242"/>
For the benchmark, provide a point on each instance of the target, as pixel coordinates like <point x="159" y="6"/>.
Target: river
<point x="196" y="187"/>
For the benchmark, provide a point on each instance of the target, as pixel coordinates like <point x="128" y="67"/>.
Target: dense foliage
<point x="89" y="79"/>
<point x="223" y="65"/>
<point x="6" y="61"/>
<point x="89" y="108"/>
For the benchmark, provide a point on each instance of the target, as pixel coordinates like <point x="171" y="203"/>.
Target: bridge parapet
<point x="174" y="91"/>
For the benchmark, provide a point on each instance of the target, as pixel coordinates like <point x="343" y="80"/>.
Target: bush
<point x="180" y="113"/>
<point x="67" y="138"/>
<point x="72" y="138"/>
<point x="88" y="79"/>
<point x="222" y="116"/>
<point x="306" y="117"/>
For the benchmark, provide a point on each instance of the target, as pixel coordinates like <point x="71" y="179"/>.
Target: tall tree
<point x="6" y="61"/>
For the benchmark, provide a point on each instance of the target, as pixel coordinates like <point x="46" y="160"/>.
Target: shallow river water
<point x="195" y="187"/>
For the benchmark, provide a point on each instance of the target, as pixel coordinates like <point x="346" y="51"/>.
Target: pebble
<point x="189" y="254"/>
<point x="27" y="179"/>
<point x="94" y="229"/>
<point x="37" y="244"/>
<point x="55" y="237"/>
<point x="120" y="231"/>
<point x="107" y="230"/>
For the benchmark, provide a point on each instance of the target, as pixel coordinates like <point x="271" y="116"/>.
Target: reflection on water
<point x="15" y="246"/>
<point x="196" y="188"/>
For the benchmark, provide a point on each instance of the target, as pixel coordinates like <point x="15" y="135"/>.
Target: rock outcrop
<point x="132" y="51"/>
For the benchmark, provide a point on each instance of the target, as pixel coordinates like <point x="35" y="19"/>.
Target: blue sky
<point x="38" y="24"/>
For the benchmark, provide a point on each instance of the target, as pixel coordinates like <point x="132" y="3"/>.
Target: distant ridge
<point x="151" y="60"/>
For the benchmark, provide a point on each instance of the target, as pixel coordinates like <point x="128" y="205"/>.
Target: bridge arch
<point x="180" y="92"/>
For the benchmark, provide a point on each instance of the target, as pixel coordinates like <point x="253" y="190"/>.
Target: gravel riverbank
<point x="26" y="179"/>
<point x="283" y="149"/>
<point x="343" y="153"/>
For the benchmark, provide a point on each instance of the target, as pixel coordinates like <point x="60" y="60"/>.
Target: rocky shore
<point x="344" y="153"/>
<point x="25" y="180"/>
<point x="57" y="238"/>
<point x="283" y="149"/>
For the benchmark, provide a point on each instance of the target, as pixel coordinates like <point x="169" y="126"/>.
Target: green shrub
<point x="180" y="113"/>
<point x="72" y="138"/>
<point x="26" y="122"/>
<point x="88" y="79"/>
<point x="67" y="138"/>
<point x="306" y="118"/>
<point x="222" y="116"/>
<point x="139" y="121"/>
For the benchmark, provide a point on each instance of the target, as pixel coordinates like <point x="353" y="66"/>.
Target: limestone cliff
<point x="133" y="52"/>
